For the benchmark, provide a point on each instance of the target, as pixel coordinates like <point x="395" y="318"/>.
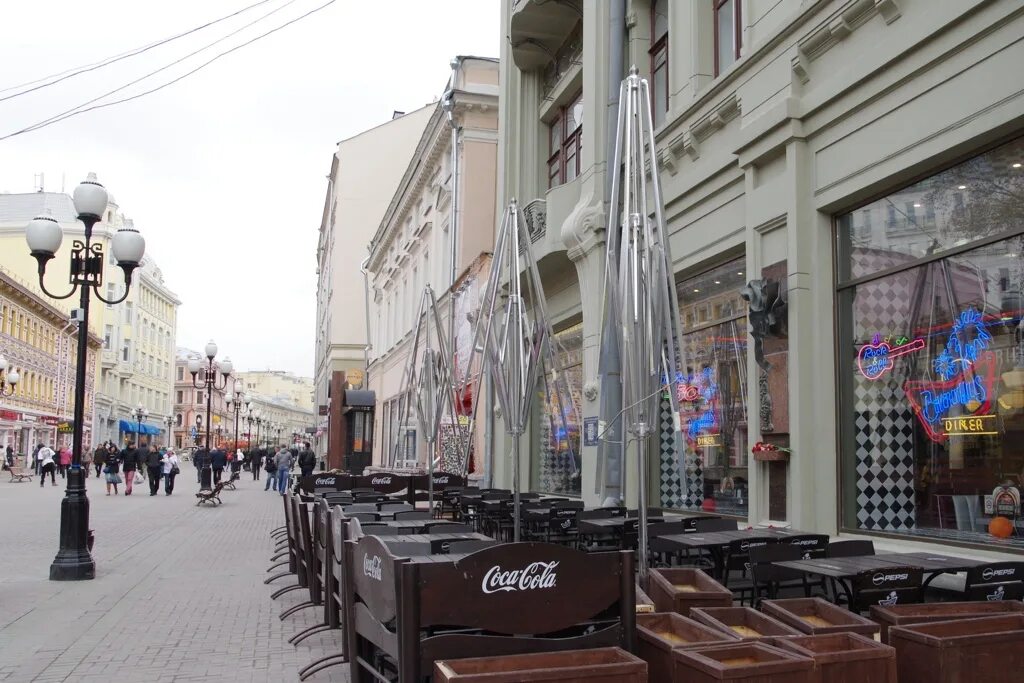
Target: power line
<point x="76" y="71"/>
<point x="54" y="120"/>
<point x="64" y="114"/>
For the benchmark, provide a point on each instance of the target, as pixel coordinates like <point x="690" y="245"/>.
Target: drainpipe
<point x="610" y="449"/>
<point x="366" y="308"/>
<point x="448" y="105"/>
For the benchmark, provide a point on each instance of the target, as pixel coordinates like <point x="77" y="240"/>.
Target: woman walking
<point x="172" y="467"/>
<point x="129" y="459"/>
<point x="65" y="460"/>
<point x="112" y="464"/>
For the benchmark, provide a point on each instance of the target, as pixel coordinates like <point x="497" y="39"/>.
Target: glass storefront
<point x="712" y="393"/>
<point x="556" y="428"/>
<point x="932" y="355"/>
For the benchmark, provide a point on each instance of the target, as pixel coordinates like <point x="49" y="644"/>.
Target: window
<point x="659" y="60"/>
<point x="126" y="350"/>
<point x="728" y="33"/>
<point x="199" y="397"/>
<point x="712" y="394"/>
<point x="179" y="396"/>
<point x="565" y="139"/>
<point x="931" y="359"/>
<point x="128" y="311"/>
<point x="181" y="374"/>
<point x="108" y="333"/>
<point x="556" y="467"/>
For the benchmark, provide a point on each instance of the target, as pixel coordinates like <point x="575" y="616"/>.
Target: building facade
<point x="278" y="383"/>
<point x="39" y="343"/>
<point x="842" y="183"/>
<point x="412" y="246"/>
<point x="365" y="171"/>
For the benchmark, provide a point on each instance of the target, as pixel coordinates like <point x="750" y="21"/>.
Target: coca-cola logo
<point x="381" y="481"/>
<point x="372" y="567"/>
<point x="324" y="481"/>
<point x="880" y="578"/>
<point x="535" y="576"/>
<point x="988" y="573"/>
<point x="441" y="480"/>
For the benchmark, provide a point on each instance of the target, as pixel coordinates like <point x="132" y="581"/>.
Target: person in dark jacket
<point x="218" y="461"/>
<point x="111" y="463"/>
<point x="154" y="468"/>
<point x="307" y="460"/>
<point x="256" y="463"/>
<point x="98" y="457"/>
<point x="271" y="469"/>
<point x="129" y="463"/>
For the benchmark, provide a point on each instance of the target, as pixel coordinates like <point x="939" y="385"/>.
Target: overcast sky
<point x="224" y="172"/>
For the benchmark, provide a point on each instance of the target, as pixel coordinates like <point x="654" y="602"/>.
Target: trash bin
<point x="815" y="616"/>
<point x="660" y="633"/>
<point x="750" y="661"/>
<point x="680" y="590"/>
<point x="600" y="665"/>
<point x="989" y="649"/>
<point x="844" y="657"/>
<point x="745" y="622"/>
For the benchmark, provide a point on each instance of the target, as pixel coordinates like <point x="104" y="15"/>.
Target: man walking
<point x="271" y="468"/>
<point x="154" y="468"/>
<point x="283" y="460"/>
<point x="97" y="459"/>
<point x="130" y="462"/>
<point x="218" y="460"/>
<point x="307" y="461"/>
<point x="256" y="462"/>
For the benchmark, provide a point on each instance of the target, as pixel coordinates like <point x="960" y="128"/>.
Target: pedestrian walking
<point x="87" y="461"/>
<point x="256" y="463"/>
<point x="271" y="469"/>
<point x="65" y="460"/>
<point x="129" y="459"/>
<point x="98" y="456"/>
<point x="307" y="460"/>
<point x="47" y="464"/>
<point x="236" y="464"/>
<point x="111" y="465"/>
<point x="218" y="460"/>
<point x="172" y="468"/>
<point x="154" y="468"/>
<point x="36" y="465"/>
<point x="284" y="461"/>
<point x="9" y="456"/>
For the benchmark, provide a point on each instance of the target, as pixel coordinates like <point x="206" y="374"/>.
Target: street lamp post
<point x="44" y="236"/>
<point x="236" y="404"/>
<point x="209" y="382"/>
<point x="169" y="423"/>
<point x="8" y="378"/>
<point x="139" y="414"/>
<point x="199" y="429"/>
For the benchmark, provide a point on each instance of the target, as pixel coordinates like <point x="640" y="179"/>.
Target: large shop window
<point x="712" y="392"/>
<point x="555" y="467"/>
<point x="932" y="346"/>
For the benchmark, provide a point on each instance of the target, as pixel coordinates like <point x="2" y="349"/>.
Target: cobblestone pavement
<point x="178" y="594"/>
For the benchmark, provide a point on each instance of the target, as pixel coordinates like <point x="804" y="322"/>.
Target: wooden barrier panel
<point x="322" y="483"/>
<point x="382" y="482"/>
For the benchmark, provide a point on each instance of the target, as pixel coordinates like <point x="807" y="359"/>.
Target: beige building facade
<point x="278" y="383"/>
<point x="841" y="182"/>
<point x="412" y="246"/>
<point x="365" y="170"/>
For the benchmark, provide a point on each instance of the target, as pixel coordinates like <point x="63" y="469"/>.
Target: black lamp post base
<point x="73" y="561"/>
<point x="206" y="478"/>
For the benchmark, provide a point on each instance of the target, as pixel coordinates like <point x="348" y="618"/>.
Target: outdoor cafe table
<point x="715" y="541"/>
<point x="844" y="569"/>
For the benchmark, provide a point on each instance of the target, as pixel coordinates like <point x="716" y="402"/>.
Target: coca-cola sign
<point x="325" y="481"/>
<point x="534" y="576"/>
<point x="372" y="567"/>
<point x="381" y="481"/>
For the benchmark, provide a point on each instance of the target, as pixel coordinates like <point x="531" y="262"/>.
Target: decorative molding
<point x="688" y="140"/>
<point x="837" y="29"/>
<point x="771" y="224"/>
<point x="590" y="390"/>
<point x="536" y="213"/>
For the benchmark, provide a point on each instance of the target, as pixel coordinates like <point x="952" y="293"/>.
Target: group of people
<point x="47" y="460"/>
<point x="279" y="464"/>
<point x="146" y="462"/>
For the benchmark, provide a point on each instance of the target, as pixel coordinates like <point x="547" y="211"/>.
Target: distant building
<point x="279" y="384"/>
<point x="365" y="171"/>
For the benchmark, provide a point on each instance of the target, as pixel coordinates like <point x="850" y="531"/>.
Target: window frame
<point x="737" y="38"/>
<point x="659" y="45"/>
<point x="567" y="141"/>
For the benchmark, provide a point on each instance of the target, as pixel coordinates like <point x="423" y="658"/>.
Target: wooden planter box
<point x="845" y="657"/>
<point x="680" y="590"/>
<point x="661" y="633"/>
<point x="815" y="616"/>
<point x="644" y="604"/>
<point x="745" y="622"/>
<point x="904" y="615"/>
<point x="751" y="662"/>
<point x="989" y="649"/>
<point x="607" y="665"/>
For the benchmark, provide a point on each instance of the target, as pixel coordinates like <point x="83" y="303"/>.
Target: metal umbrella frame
<point x="640" y="286"/>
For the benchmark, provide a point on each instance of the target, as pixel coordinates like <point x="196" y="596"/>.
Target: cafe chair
<point x="468" y="546"/>
<point x="562" y="527"/>
<point x="359" y="507"/>
<point x="665" y="558"/>
<point x="600" y="540"/>
<point x="363" y="516"/>
<point x="850" y="549"/>
<point x="394" y="506"/>
<point x="886" y="586"/>
<point x="448" y="504"/>
<point x="995" y="581"/>
<point x="735" y="570"/>
<point x="368" y="498"/>
<point x="710" y="525"/>
<point x="412" y="514"/>
<point x="444" y="527"/>
<point x="381" y="529"/>
<point x="768" y="579"/>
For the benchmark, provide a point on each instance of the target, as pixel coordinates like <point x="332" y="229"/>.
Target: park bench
<point x="212" y="496"/>
<point x="229" y="483"/>
<point x="18" y="474"/>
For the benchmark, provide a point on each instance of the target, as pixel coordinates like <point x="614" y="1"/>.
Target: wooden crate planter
<point x="660" y="633"/>
<point x="845" y="657"/>
<point x="815" y="616"/>
<point x="989" y="649"/>
<point x="905" y="615"/>
<point x="680" y="590"/>
<point x="600" y="665"/>
<point x="750" y="662"/>
<point x="745" y="622"/>
<point x="644" y="604"/>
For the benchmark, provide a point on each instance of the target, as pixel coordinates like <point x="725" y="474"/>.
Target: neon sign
<point x="876" y="359"/>
<point x="968" y="373"/>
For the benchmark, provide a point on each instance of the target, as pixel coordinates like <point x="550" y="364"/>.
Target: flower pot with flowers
<point x="769" y="452"/>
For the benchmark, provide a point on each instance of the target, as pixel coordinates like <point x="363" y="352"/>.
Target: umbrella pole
<point x="430" y="480"/>
<point x="641" y="524"/>
<point x="515" y="487"/>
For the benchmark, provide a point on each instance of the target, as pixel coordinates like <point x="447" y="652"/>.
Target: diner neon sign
<point x="968" y="372"/>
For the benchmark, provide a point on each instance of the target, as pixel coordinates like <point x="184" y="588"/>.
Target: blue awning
<point x="133" y="427"/>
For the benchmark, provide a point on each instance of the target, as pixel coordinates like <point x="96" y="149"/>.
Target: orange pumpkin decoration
<point x="1000" y="527"/>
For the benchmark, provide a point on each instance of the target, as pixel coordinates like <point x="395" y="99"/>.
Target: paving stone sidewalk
<point x="178" y="594"/>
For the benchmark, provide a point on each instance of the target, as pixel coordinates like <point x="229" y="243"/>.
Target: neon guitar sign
<point x="876" y="359"/>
